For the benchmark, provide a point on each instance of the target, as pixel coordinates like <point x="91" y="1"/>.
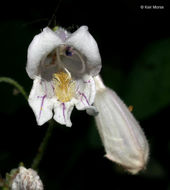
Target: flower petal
<point x="62" y="112"/>
<point x="61" y="32"/>
<point x="83" y="41"/>
<point x="85" y="92"/>
<point x="91" y="110"/>
<point x="74" y="64"/>
<point x="40" y="47"/>
<point x="40" y="103"/>
<point x="123" y="138"/>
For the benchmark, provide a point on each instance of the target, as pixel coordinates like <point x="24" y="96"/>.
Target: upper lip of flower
<point x="45" y="42"/>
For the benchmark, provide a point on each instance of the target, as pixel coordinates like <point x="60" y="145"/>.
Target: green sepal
<point x="55" y="28"/>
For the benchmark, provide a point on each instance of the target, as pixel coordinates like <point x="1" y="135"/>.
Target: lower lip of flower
<point x="64" y="86"/>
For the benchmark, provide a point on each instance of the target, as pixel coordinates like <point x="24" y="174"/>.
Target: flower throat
<point x="64" y="86"/>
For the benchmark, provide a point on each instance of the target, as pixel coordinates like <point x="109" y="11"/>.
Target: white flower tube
<point x="122" y="137"/>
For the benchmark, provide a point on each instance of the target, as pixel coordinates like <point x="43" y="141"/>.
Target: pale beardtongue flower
<point x="122" y="137"/>
<point x="62" y="65"/>
<point x="26" y="179"/>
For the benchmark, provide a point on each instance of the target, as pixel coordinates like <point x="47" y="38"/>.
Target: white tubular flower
<point x="62" y="66"/>
<point x="122" y="137"/>
<point x="26" y="179"/>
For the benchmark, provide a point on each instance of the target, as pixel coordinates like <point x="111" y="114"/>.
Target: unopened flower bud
<point x="27" y="179"/>
<point x="122" y="137"/>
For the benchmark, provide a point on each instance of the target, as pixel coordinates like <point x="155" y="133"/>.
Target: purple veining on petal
<point x="52" y="87"/>
<point x="81" y="98"/>
<point x="84" y="96"/>
<point x="64" y="107"/>
<point x="77" y="88"/>
<point x="42" y="103"/>
<point x="89" y="81"/>
<point x="82" y="101"/>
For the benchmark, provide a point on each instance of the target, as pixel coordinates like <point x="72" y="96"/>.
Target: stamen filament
<point x="82" y="61"/>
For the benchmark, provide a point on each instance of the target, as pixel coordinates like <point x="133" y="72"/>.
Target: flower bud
<point x="26" y="179"/>
<point x="122" y="137"/>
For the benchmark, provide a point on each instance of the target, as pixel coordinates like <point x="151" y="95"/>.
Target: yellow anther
<point x="64" y="86"/>
<point x="130" y="108"/>
<point x="55" y="28"/>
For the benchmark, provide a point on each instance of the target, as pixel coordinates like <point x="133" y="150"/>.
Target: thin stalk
<point x="16" y="84"/>
<point x="43" y="146"/>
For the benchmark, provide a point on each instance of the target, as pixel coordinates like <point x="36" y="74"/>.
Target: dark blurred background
<point x="134" y="43"/>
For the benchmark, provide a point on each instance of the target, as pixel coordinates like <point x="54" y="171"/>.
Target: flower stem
<point x="16" y="84"/>
<point x="42" y="146"/>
